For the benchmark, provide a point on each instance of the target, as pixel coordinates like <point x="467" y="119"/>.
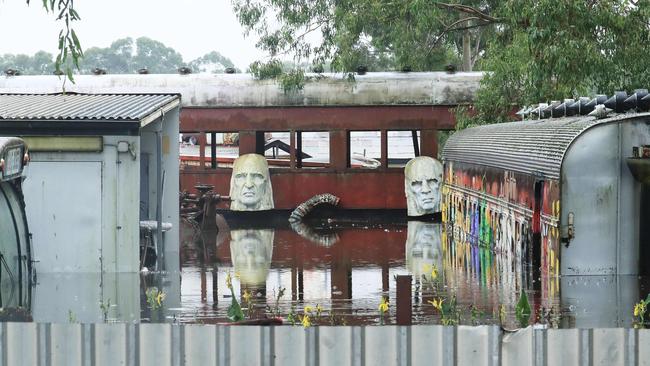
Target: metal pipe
<point x="404" y="302"/>
<point x="159" y="234"/>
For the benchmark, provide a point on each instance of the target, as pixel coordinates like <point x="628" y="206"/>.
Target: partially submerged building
<point x="100" y="164"/>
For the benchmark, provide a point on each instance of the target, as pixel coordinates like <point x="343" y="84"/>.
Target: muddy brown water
<point x="343" y="279"/>
<point x="340" y="272"/>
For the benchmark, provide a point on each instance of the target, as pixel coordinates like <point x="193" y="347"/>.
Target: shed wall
<point x="81" y="213"/>
<point x="167" y="126"/>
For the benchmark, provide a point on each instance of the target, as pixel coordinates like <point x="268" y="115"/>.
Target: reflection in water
<point x="423" y="249"/>
<point x="251" y="252"/>
<point x="347" y="280"/>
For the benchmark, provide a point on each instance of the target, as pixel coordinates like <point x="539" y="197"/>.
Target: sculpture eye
<point x="240" y="177"/>
<point x="258" y="178"/>
<point x="416" y="184"/>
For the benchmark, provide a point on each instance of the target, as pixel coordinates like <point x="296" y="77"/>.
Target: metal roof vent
<point x="12" y="72"/>
<point x="637" y="101"/>
<point x="616" y="102"/>
<point x="184" y="70"/>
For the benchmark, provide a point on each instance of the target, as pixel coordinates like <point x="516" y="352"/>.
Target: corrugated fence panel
<point x="200" y="345"/>
<point x="337" y="347"/>
<point x="289" y="345"/>
<point x="44" y="344"/>
<point x="66" y="344"/>
<point x="109" y="344"/>
<point x="643" y="342"/>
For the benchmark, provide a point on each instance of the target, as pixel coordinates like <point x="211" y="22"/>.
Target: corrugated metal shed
<point x="84" y="107"/>
<point x="531" y="147"/>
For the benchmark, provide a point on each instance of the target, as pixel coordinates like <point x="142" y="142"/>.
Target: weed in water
<point x="155" y="297"/>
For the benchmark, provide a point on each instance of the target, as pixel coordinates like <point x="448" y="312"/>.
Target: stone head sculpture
<point x="422" y="180"/>
<point x="250" y="184"/>
<point x="251" y="252"/>
<point x="423" y="251"/>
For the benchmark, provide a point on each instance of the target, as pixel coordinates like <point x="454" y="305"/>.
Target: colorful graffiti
<point x="511" y="215"/>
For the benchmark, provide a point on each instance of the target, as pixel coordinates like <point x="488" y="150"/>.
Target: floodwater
<point x="347" y="271"/>
<point x="341" y="272"/>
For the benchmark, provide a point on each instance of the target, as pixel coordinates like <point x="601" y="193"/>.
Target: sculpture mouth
<point x="248" y="194"/>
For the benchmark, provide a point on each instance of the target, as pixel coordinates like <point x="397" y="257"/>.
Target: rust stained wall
<point x="356" y="188"/>
<point x="399" y="117"/>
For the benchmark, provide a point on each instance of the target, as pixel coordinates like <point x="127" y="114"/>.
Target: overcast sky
<point x="191" y="27"/>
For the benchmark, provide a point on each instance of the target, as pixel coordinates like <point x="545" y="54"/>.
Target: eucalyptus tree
<point x="550" y="50"/>
<point x="407" y="34"/>
<point x="533" y="50"/>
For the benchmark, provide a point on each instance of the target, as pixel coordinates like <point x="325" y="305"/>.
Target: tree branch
<point x="469" y="10"/>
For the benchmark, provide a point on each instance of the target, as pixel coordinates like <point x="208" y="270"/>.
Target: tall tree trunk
<point x="467" y="50"/>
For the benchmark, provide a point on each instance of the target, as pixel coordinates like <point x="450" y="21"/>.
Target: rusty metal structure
<point x="329" y="103"/>
<point x="568" y="192"/>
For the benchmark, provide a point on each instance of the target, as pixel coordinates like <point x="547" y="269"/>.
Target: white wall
<point x="168" y="127"/>
<point x="82" y="209"/>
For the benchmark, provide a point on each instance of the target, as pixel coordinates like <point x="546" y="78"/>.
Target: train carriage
<point x="567" y="193"/>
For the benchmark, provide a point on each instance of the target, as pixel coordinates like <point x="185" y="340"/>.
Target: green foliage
<point x="41" y="63"/>
<point x="378" y="34"/>
<point x="548" y="50"/>
<point x="155" y="297"/>
<point x="156" y="57"/>
<point x="213" y="62"/>
<point x="69" y="46"/>
<point x="235" y="313"/>
<point x="522" y="310"/>
<point x="266" y="70"/>
<point x="640" y="310"/>
<point x="292" y="81"/>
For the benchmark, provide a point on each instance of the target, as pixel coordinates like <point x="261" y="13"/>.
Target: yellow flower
<point x="305" y="321"/>
<point x="437" y="303"/>
<point x="383" y="305"/>
<point x="229" y="281"/>
<point x="434" y="272"/>
<point x="639" y="309"/>
<point x="247" y="296"/>
<point x="319" y="309"/>
<point x="502" y="313"/>
<point x="308" y="309"/>
<point x="160" y="297"/>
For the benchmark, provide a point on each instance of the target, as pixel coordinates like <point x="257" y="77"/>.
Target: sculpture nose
<point x="249" y="180"/>
<point x="426" y="188"/>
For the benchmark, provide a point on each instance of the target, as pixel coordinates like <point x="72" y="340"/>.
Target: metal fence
<point x="166" y="344"/>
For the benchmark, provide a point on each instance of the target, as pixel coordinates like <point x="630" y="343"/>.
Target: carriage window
<point x="312" y="149"/>
<point x="225" y="146"/>
<point x="365" y="149"/>
<point x="402" y="147"/>
<point x="277" y="148"/>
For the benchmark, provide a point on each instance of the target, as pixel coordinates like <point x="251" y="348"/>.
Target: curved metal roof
<point x="531" y="147"/>
<point x="243" y="90"/>
<point x="85" y="107"/>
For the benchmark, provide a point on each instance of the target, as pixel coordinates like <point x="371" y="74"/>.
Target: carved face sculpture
<point x="251" y="252"/>
<point x="250" y="184"/>
<point x="422" y="179"/>
<point x="423" y="248"/>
